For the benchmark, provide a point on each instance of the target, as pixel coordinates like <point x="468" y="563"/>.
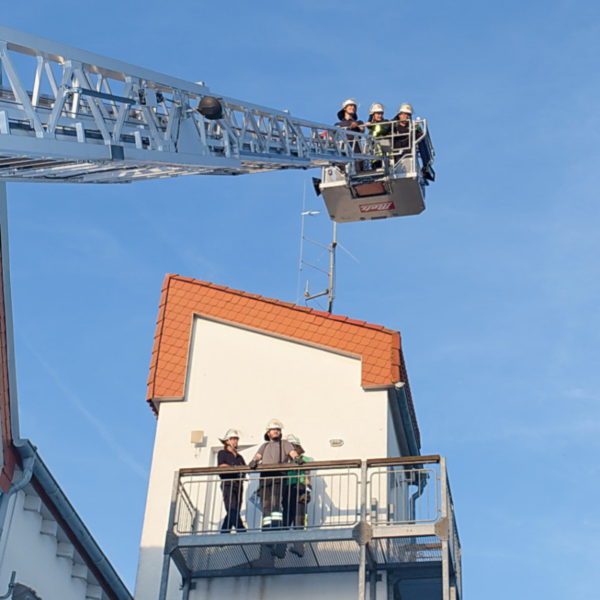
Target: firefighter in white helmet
<point x="378" y="128"/>
<point x="403" y="133"/>
<point x="347" y="116"/>
<point x="275" y="451"/>
<point x="231" y="483"/>
<point x="297" y="495"/>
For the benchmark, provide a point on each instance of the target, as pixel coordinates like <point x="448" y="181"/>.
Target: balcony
<point x="392" y="515"/>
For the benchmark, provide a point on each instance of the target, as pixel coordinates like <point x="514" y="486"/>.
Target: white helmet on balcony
<point x="272" y="424"/>
<point x="231" y="433"/>
<point x="376" y="107"/>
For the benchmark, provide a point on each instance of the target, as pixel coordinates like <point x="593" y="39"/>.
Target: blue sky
<point x="495" y="288"/>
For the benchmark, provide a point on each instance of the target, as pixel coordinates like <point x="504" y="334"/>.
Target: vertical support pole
<point x="8" y="319"/>
<point x="445" y="570"/>
<point x="372" y="584"/>
<point x="186" y="589"/>
<point x="164" y="578"/>
<point x="389" y="581"/>
<point x="443" y="496"/>
<point x="331" y="282"/>
<point x="444" y="508"/>
<point x="362" y="564"/>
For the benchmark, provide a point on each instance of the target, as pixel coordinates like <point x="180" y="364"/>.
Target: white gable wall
<point x="30" y="547"/>
<point x="240" y="378"/>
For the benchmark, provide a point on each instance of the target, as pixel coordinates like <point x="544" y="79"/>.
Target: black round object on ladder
<point x="210" y="108"/>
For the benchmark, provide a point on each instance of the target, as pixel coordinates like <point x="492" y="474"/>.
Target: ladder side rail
<point x="32" y="45"/>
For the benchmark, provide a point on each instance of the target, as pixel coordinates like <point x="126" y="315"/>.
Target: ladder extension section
<point x="67" y="115"/>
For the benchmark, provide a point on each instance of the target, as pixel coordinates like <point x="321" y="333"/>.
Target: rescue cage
<point x="390" y="184"/>
<point x="398" y="512"/>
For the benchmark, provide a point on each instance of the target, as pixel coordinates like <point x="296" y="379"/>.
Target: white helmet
<point x="405" y="108"/>
<point x="231" y="433"/>
<point x="349" y="101"/>
<point x="274" y="424"/>
<point x="376" y="107"/>
<point x="292" y="439"/>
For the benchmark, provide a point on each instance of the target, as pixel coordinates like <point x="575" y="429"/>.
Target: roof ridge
<point x="282" y="303"/>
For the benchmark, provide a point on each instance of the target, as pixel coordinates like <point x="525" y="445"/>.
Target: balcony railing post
<point x="445" y="516"/>
<point x="444" y="509"/>
<point x="164" y="578"/>
<point x="362" y="565"/>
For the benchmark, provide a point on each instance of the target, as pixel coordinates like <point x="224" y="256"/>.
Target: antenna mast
<point x="330" y="272"/>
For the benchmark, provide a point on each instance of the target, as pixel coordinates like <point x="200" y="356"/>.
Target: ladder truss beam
<point x="67" y="115"/>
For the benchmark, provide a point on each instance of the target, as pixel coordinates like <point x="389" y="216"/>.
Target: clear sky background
<point x="495" y="287"/>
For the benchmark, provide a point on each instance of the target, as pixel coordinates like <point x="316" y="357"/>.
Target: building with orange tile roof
<point x="223" y="358"/>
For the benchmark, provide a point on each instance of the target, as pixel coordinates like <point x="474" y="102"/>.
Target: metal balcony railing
<point x="391" y="514"/>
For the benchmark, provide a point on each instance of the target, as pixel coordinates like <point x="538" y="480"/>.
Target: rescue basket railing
<point x="314" y="496"/>
<point x="398" y="153"/>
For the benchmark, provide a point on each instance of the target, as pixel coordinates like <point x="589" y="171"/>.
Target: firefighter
<point x="231" y="483"/>
<point x="348" y="119"/>
<point x="274" y="451"/>
<point x="378" y="128"/>
<point x="296" y="495"/>
<point x="402" y="132"/>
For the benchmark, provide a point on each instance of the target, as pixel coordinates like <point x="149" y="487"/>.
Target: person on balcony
<point x="274" y="451"/>
<point x="378" y="128"/>
<point x="231" y="483"/>
<point x="296" y="495"/>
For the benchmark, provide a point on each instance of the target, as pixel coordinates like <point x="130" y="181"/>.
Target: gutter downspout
<point x="399" y="408"/>
<point x="412" y="506"/>
<point x="28" y="454"/>
<point x="28" y="457"/>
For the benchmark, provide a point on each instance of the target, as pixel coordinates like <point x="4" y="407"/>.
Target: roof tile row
<point x="184" y="297"/>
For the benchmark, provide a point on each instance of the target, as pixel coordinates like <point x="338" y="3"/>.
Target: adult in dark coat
<point x="231" y="483"/>
<point x="348" y="118"/>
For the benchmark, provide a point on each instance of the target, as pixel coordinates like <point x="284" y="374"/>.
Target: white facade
<point x="37" y="549"/>
<point x="240" y="378"/>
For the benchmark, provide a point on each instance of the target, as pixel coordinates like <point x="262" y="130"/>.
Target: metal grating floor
<point x="317" y="556"/>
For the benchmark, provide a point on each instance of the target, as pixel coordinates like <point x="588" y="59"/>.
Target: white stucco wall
<point x="33" y="556"/>
<point x="241" y="379"/>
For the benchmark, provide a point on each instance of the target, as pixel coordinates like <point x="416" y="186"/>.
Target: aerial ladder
<point x="71" y="116"/>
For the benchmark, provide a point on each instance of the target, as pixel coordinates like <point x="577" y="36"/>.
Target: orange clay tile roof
<point x="183" y="298"/>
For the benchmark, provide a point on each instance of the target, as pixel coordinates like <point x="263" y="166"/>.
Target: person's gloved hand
<point x="298" y="460"/>
<point x="253" y="464"/>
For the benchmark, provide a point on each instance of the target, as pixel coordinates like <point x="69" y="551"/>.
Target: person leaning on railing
<point x="402" y="132"/>
<point x="378" y="128"/>
<point x="348" y="119"/>
<point x="232" y="483"/>
<point x="296" y="495"/>
<point x="270" y="488"/>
